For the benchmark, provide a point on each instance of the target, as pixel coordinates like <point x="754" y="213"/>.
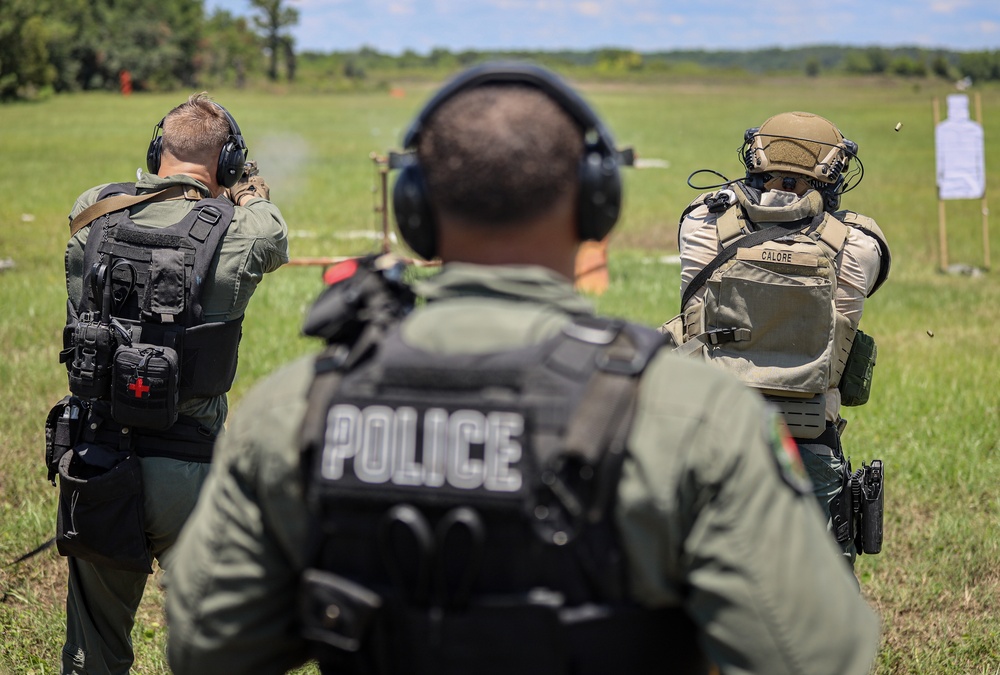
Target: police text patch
<point x="433" y="448"/>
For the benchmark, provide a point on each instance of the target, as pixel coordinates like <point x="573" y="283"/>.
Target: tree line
<point x="56" y="46"/>
<point x="155" y="45"/>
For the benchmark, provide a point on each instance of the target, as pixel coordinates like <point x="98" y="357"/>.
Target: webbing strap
<point x="713" y="337"/>
<point x="119" y="202"/>
<point x="755" y="238"/>
<point x="834" y="234"/>
<point x="602" y="409"/>
<point x="328" y="372"/>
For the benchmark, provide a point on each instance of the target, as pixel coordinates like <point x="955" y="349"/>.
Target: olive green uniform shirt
<point x="255" y="243"/>
<point x="709" y="520"/>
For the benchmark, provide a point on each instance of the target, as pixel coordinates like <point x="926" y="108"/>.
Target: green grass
<point x="934" y="411"/>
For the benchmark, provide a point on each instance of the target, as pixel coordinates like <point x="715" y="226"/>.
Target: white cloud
<point x="589" y="8"/>
<point x="989" y="27"/>
<point x="403" y="7"/>
<point x="948" y="6"/>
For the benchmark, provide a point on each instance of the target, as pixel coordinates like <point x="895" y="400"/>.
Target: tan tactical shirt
<point x="255" y="243"/>
<point x="857" y="267"/>
<point x="709" y="519"/>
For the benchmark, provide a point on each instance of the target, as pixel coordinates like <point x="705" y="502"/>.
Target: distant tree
<point x="410" y="59"/>
<point x="442" y="58"/>
<point x="92" y="41"/>
<point x="467" y="58"/>
<point x="857" y="63"/>
<point x="273" y="18"/>
<point x="25" y="68"/>
<point x="812" y="67"/>
<point x="907" y="67"/>
<point x="878" y="58"/>
<point x="353" y="71"/>
<point x="941" y="67"/>
<point x="980" y="66"/>
<point x="618" y="60"/>
<point x="288" y="45"/>
<point x="229" y="49"/>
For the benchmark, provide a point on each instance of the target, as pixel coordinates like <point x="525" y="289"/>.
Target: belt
<point x="830" y="438"/>
<point x="187" y="440"/>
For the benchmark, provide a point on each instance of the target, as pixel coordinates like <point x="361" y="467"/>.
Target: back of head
<point x="196" y="131"/>
<point x="499" y="154"/>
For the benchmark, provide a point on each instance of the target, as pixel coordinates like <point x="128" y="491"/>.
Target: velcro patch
<point x="777" y="256"/>
<point x="786" y="456"/>
<point x="422" y="452"/>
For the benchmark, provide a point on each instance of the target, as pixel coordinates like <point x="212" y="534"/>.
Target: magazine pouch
<point x="93" y="344"/>
<point x="100" y="509"/>
<point x="856" y="382"/>
<point x="145" y="386"/>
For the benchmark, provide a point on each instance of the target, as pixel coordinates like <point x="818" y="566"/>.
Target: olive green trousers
<point x="102" y="602"/>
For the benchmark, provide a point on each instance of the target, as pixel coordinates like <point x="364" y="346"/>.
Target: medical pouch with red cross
<point x="144" y="389"/>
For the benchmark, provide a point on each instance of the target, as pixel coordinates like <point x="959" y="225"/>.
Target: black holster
<point x="857" y="512"/>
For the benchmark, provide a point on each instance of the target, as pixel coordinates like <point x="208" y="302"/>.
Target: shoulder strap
<point x="605" y="408"/>
<point x="833" y="233"/>
<point x="598" y="428"/>
<point x="731" y="225"/>
<point x="119" y="202"/>
<point x="753" y="239"/>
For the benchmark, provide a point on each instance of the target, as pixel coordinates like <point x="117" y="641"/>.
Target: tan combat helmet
<point x="804" y="146"/>
<point x="801" y="143"/>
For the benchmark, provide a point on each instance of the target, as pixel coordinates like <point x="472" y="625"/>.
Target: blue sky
<point x="643" y="25"/>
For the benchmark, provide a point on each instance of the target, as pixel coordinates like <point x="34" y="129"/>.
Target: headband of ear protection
<point x="600" y="180"/>
<point x="231" y="159"/>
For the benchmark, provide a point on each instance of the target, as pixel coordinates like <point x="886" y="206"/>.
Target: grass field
<point x="934" y="417"/>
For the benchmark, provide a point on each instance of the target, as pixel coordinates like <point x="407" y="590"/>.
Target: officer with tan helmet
<point x="774" y="278"/>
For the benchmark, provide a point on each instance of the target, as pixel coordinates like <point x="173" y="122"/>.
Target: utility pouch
<point x="869" y="492"/>
<point x="145" y="386"/>
<point x="62" y="431"/>
<point x="856" y="382"/>
<point x="93" y="347"/>
<point x="336" y="611"/>
<point x="100" y="509"/>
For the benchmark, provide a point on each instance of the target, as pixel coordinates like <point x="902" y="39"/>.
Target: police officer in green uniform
<point x="774" y="278"/>
<point x="179" y="254"/>
<point x="498" y="480"/>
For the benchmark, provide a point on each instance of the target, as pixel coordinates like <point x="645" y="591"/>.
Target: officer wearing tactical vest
<point x="159" y="274"/>
<point x="499" y="481"/>
<point x="773" y="280"/>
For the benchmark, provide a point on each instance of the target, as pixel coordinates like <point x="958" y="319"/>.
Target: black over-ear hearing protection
<point x="231" y="159"/>
<point x="600" y="180"/>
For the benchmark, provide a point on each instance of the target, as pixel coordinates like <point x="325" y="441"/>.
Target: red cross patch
<point x="138" y="387"/>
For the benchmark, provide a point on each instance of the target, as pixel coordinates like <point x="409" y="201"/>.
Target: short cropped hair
<point x="196" y="130"/>
<point x="500" y="154"/>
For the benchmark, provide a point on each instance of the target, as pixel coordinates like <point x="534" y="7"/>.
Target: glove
<point x="249" y="184"/>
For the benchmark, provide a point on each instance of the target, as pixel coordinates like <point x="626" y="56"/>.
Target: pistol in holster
<point x="857" y="511"/>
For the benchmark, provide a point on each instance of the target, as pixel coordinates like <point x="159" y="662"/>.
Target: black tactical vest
<point x="157" y="278"/>
<point x="465" y="505"/>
